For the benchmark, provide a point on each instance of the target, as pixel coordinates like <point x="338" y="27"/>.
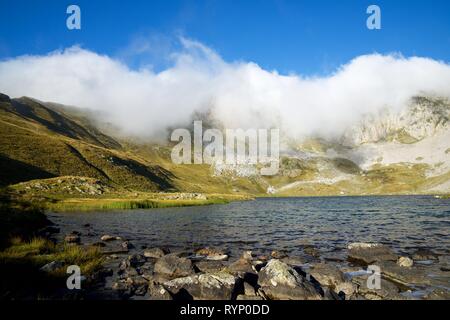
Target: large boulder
<point x="173" y="266"/>
<point x="207" y="286"/>
<point x="279" y="281"/>
<point x="330" y="276"/>
<point x="368" y="253"/>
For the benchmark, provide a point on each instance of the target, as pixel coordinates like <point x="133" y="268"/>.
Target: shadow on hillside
<point x="15" y="171"/>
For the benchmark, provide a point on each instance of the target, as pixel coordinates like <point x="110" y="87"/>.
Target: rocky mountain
<point x="407" y="152"/>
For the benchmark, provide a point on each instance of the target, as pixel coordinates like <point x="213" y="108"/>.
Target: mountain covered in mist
<point x="405" y="152"/>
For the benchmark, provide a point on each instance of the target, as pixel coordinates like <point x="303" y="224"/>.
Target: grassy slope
<point x="39" y="141"/>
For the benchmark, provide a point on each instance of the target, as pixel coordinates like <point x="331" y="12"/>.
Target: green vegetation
<point x="122" y="204"/>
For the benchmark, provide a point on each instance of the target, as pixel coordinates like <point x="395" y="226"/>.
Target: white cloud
<point x="240" y="94"/>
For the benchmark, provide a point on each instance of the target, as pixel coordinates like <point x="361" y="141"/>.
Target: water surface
<point x="329" y="223"/>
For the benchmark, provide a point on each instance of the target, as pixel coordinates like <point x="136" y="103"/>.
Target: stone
<point x="136" y="260"/>
<point x="209" y="266"/>
<point x="368" y="253"/>
<point x="387" y="290"/>
<point x="279" y="281"/>
<point x="72" y="238"/>
<point x="154" y="253"/>
<point x="278" y="254"/>
<point x="173" y="266"/>
<point x="212" y="254"/>
<point x="127" y="245"/>
<point x="205" y="286"/>
<point x="107" y="237"/>
<point x="158" y="292"/>
<point x="406" y="276"/>
<point x="52" y="266"/>
<point x="244" y="297"/>
<point x="138" y="285"/>
<point x="310" y="250"/>
<point x="241" y="267"/>
<point x="327" y="275"/>
<point x="405" y="262"/>
<point x="249" y="290"/>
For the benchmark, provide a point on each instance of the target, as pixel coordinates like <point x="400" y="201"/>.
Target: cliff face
<point x="423" y="118"/>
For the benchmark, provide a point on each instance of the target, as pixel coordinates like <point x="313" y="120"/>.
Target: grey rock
<point x="207" y="286"/>
<point x="154" y="253"/>
<point x="173" y="266"/>
<point x="279" y="281"/>
<point x="368" y="253"/>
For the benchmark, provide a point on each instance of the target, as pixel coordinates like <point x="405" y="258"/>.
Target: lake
<point x="290" y="224"/>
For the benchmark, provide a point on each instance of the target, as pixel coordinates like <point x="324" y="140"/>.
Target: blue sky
<point x="305" y="37"/>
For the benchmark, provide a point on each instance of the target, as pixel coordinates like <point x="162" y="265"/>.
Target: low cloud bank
<point x="238" y="94"/>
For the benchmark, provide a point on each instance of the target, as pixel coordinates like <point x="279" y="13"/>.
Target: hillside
<point x="403" y="153"/>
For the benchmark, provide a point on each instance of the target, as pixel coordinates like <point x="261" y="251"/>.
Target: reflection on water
<point x="403" y="222"/>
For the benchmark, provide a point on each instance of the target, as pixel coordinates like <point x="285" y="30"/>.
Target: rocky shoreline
<point x="212" y="274"/>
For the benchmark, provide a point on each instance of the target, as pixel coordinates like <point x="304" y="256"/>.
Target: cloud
<point x="239" y="94"/>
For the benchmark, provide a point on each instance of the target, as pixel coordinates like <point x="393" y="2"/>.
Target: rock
<point x="327" y="275"/>
<point x="424" y="254"/>
<point x="123" y="288"/>
<point x="136" y="260"/>
<point x="138" y="285"/>
<point x="241" y="267"/>
<point x="278" y="254"/>
<point x="347" y="288"/>
<point x="127" y="245"/>
<point x="158" y="292"/>
<point x="293" y="261"/>
<point x="52" y="266"/>
<point x="406" y="276"/>
<point x="99" y="244"/>
<point x="368" y="253"/>
<point x="212" y="254"/>
<point x="405" y="262"/>
<point x="249" y="290"/>
<point x="244" y="297"/>
<point x="207" y="286"/>
<point x="247" y="255"/>
<point x="173" y="266"/>
<point x="387" y="290"/>
<point x="107" y="237"/>
<point x="72" y="238"/>
<point x="279" y="281"/>
<point x="209" y="266"/>
<point x="154" y="253"/>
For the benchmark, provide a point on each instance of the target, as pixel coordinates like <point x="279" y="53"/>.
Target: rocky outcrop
<point x="368" y="253"/>
<point x="173" y="266"/>
<point x="279" y="281"/>
<point x="207" y="286"/>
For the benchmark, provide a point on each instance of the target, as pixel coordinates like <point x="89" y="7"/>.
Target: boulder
<point x="173" y="266"/>
<point x="206" y="286"/>
<point x="136" y="260"/>
<point x="387" y="290"/>
<point x="368" y="253"/>
<point x="406" y="276"/>
<point x="327" y="275"/>
<point x="279" y="281"/>
<point x="154" y="253"/>
<point x="405" y="262"/>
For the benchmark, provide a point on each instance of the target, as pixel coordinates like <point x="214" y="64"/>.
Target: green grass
<point x="122" y="204"/>
<point x="20" y="265"/>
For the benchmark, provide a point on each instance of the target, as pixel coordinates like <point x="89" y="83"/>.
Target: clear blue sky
<point x="306" y="37"/>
